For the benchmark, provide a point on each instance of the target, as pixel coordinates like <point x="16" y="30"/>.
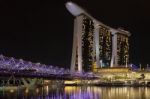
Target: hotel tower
<point x="96" y="45"/>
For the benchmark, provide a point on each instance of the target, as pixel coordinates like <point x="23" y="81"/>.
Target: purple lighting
<point x="19" y="67"/>
<point x="11" y="65"/>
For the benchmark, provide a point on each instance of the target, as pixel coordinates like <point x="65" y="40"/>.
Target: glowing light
<point x="27" y="90"/>
<point x="37" y="90"/>
<point x="76" y="81"/>
<point x="19" y="66"/>
<point x="11" y="90"/>
<point x="47" y="89"/>
<point x="69" y="89"/>
<point x="74" y="9"/>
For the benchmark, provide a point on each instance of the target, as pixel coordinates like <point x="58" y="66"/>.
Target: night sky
<point x="41" y="30"/>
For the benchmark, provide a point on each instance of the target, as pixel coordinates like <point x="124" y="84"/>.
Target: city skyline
<point x="42" y="32"/>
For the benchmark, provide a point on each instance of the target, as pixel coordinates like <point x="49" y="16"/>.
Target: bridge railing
<point x="8" y="64"/>
<point x="19" y="67"/>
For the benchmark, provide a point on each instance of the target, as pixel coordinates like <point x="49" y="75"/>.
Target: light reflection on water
<point x="71" y="92"/>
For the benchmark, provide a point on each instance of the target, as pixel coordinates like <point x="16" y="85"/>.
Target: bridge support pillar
<point x="29" y="82"/>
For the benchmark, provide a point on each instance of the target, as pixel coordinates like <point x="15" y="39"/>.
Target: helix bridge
<point x="20" y="68"/>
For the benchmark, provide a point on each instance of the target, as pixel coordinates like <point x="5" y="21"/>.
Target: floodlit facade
<point x="96" y="45"/>
<point x="120" y="48"/>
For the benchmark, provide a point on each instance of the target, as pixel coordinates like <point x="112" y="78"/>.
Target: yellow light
<point x="69" y="89"/>
<point x="69" y="82"/>
<point x="27" y="90"/>
<point x="46" y="81"/>
<point x="11" y="90"/>
<point x="47" y="88"/>
<point x="37" y="90"/>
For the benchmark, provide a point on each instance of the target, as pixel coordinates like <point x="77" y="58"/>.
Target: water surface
<point x="70" y="92"/>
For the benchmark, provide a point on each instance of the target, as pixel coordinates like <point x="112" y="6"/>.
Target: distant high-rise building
<point x="96" y="45"/>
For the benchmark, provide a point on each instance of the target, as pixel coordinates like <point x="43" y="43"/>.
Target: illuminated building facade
<point x="87" y="43"/>
<point x="104" y="46"/>
<point x="83" y="42"/>
<point x="96" y="45"/>
<point x="120" y="48"/>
